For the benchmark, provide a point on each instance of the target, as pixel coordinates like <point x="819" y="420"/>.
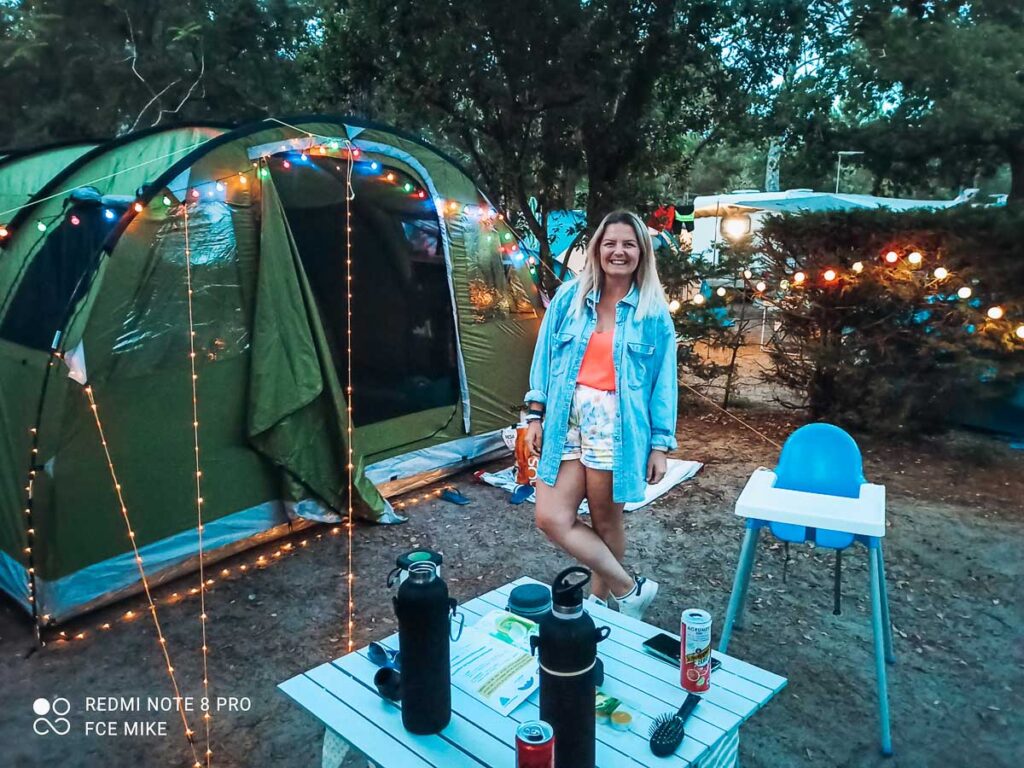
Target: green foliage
<point x="707" y="322"/>
<point x="892" y="348"/>
<point x="936" y="90"/>
<point x="546" y="99"/>
<point x="99" y="69"/>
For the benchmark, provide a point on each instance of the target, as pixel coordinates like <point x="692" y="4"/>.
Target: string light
<point x="798" y="278"/>
<point x="162" y="642"/>
<point x="167" y="201"/>
<point x="139" y="207"/>
<point x="721" y="291"/>
<point x="1020" y="331"/>
<point x="995" y="313"/>
<point x="941" y="273"/>
<point x="4" y="231"/>
<point x="915" y="258"/>
<point x="830" y="275"/>
<point x="349" y="197"/>
<point x="109" y="214"/>
<point x="964" y="292"/>
<point x="858" y="267"/>
<point x="747" y="274"/>
<point x="698" y="299"/>
<point x="892" y="257"/>
<point x="760" y="286"/>
<point x="41" y="226"/>
<point x="193" y="379"/>
<point x="75" y="221"/>
<point x="673" y="306"/>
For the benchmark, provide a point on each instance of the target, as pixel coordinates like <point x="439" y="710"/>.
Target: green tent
<point x="25" y="172"/>
<point x="444" y="313"/>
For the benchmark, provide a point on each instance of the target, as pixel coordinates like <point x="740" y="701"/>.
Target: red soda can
<point x="535" y="745"/>
<point x="695" y="650"/>
<point x="526" y="462"/>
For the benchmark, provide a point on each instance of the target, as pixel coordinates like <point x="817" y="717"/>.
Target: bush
<point x="891" y="346"/>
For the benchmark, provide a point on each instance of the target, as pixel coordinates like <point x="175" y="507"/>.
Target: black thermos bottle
<point x="422" y="607"/>
<point x="568" y="654"/>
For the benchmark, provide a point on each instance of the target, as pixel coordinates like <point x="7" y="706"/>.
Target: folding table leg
<point x="734" y="614"/>
<point x="890" y="654"/>
<point x="878" y="631"/>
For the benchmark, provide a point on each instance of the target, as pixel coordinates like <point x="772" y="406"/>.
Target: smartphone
<point x="666" y="648"/>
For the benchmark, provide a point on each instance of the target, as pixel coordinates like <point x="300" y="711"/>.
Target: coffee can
<point x="535" y="745"/>
<point x="695" y="650"/>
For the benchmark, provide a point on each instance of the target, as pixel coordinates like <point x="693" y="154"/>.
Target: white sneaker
<point x="597" y="601"/>
<point x="636" y="602"/>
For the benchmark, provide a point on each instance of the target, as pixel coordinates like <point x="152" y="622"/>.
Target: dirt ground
<point x="954" y="558"/>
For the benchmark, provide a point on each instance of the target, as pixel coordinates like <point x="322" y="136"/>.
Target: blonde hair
<point x="652" y="295"/>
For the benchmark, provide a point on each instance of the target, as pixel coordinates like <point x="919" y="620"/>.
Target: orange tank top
<point x="598" y="367"/>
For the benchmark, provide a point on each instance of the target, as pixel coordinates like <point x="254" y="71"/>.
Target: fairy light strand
<point x="194" y="380"/>
<point x="189" y="734"/>
<point x="349" y="196"/>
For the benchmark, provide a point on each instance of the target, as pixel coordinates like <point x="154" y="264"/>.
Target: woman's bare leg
<point x="607" y="521"/>
<point x="556" y="518"/>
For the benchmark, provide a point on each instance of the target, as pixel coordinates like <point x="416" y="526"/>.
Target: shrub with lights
<point x="888" y="320"/>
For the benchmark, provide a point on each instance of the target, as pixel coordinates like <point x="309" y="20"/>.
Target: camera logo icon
<point x="51" y="716"/>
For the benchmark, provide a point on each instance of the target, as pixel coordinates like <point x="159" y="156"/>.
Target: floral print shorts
<point x="591" y="435"/>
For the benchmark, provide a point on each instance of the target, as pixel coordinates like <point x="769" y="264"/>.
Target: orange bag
<point x="526" y="463"/>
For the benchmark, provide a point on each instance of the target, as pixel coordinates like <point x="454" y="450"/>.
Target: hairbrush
<point x="667" y="731"/>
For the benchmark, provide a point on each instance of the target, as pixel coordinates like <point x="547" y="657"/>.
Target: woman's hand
<point x="657" y="465"/>
<point x="535" y="436"/>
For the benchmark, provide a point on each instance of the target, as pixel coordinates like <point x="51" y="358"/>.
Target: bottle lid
<point x="567" y="592"/>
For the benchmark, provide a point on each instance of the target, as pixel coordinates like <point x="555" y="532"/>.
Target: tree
<point x="937" y="88"/>
<point x="103" y="68"/>
<point x="545" y="99"/>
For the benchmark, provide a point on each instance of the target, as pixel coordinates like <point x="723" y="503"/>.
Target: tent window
<point x="56" y="278"/>
<point x="403" y="331"/>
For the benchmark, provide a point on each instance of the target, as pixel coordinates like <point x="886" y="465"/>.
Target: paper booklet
<point x="492" y="662"/>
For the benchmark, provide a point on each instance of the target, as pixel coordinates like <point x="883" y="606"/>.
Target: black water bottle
<point x="568" y="656"/>
<point x="422" y="607"/>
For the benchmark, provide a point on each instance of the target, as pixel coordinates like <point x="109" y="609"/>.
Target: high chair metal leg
<point x="878" y="631"/>
<point x="734" y="614"/>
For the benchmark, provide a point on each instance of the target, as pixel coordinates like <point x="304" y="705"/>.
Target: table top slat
<point x="361" y="733"/>
<point x="437" y="749"/>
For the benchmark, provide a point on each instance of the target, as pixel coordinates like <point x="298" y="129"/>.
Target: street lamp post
<point x="839" y="163"/>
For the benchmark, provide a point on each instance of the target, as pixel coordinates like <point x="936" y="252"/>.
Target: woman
<point x="602" y="404"/>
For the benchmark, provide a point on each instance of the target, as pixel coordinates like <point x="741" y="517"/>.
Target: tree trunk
<point x="1016" y="173"/>
<point x="771" y="170"/>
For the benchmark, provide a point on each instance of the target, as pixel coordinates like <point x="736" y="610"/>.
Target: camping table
<point x="342" y="696"/>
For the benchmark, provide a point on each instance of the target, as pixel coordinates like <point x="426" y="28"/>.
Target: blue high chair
<point x="818" y="493"/>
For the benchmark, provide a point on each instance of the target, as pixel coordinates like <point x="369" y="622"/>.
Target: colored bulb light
<point x="830" y="275"/>
<point x="389" y="176"/>
<point x="798" y="278"/>
<point x="75" y="221"/>
<point x="41" y="226"/>
<point x="4" y="231"/>
<point x="139" y="207"/>
<point x="761" y="286"/>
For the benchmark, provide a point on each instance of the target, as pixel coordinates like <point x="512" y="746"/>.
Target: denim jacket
<point x="646" y="385"/>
